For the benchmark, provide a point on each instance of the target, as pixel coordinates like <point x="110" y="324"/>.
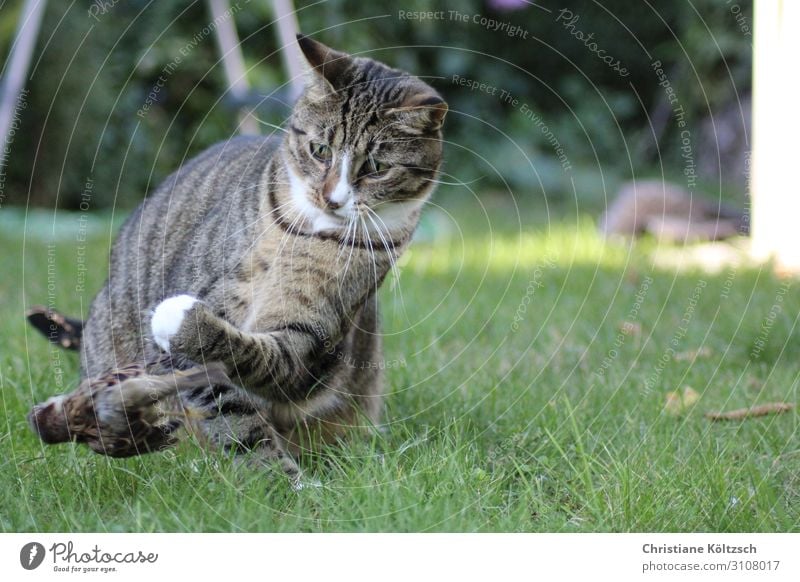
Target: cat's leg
<point x="233" y="420"/>
<point x="281" y="364"/>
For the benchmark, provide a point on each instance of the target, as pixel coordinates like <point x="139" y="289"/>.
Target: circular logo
<point x="31" y="555"/>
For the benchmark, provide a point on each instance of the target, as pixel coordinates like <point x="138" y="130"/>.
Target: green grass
<point x="491" y="426"/>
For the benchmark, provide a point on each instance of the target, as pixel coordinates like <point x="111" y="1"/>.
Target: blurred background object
<point x="671" y="213"/>
<point x="12" y="83"/>
<point x="776" y="204"/>
<point x="120" y="93"/>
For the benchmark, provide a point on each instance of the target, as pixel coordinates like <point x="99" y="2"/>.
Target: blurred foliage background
<point x="90" y="76"/>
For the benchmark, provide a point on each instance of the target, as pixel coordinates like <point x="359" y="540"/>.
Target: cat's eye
<point x="373" y="168"/>
<point x="320" y="151"/>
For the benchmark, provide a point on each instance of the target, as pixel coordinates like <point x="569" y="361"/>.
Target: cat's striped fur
<point x="266" y="254"/>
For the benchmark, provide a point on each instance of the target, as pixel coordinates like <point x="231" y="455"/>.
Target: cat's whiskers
<point x="289" y="232"/>
<point x="369" y="213"/>
<point x="260" y="217"/>
<point x="352" y="246"/>
<point x="459" y="183"/>
<point x="264" y="232"/>
<point x="391" y="252"/>
<point x="268" y="124"/>
<point x="349" y="241"/>
<point x="372" y="256"/>
<point x="383" y="129"/>
<point x="291" y="253"/>
<point x="346" y="237"/>
<point x="256" y="221"/>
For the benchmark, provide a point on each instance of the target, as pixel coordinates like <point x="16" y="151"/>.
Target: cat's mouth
<point x="319" y="218"/>
<point x="343" y="214"/>
<point x="339" y="215"/>
<point x="336" y="214"/>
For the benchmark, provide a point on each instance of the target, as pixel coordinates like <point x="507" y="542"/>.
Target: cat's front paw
<point x="168" y="318"/>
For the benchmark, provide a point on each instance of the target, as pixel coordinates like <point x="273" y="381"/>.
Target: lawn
<point x="530" y="365"/>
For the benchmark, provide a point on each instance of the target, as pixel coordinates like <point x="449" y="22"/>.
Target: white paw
<point x="168" y="317"/>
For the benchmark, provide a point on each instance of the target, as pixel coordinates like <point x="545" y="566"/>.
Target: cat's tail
<point x="56" y="327"/>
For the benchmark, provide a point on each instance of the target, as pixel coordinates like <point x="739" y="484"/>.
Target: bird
<point x="125" y="411"/>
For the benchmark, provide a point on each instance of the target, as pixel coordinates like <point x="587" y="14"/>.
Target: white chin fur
<point x="319" y="220"/>
<point x="168" y="318"/>
<point x="395" y="214"/>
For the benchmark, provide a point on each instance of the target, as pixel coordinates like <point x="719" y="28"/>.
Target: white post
<point x="19" y="59"/>
<point x="774" y="184"/>
<point x="288" y="28"/>
<point x="232" y="60"/>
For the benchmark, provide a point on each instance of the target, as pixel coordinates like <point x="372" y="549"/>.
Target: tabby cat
<point x="266" y="255"/>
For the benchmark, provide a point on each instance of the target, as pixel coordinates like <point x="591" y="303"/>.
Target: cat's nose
<point x="333" y="204"/>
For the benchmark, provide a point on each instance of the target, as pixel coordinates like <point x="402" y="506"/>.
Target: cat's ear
<point x="424" y="110"/>
<point x="327" y="64"/>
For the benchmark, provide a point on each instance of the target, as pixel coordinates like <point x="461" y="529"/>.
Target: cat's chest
<point x="289" y="277"/>
<point x="245" y="289"/>
<point x="280" y="282"/>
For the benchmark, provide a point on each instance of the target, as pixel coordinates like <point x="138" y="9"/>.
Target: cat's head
<point x="364" y="142"/>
